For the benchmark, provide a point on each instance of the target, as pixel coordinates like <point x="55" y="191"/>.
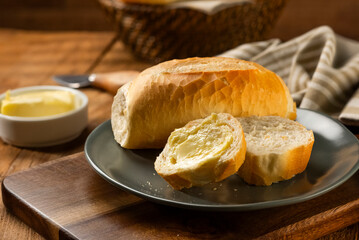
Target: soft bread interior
<point x="205" y="150"/>
<point x="277" y="149"/>
<point x="273" y="134"/>
<point x="119" y="116"/>
<point x="201" y="143"/>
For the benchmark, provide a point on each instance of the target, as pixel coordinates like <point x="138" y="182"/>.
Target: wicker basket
<point x="156" y="33"/>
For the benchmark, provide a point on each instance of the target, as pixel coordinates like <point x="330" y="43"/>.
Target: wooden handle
<point x="111" y="82"/>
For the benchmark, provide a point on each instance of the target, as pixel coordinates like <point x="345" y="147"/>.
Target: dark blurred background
<point x="298" y="16"/>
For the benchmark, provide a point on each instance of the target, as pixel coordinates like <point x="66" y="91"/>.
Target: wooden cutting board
<point x="66" y="199"/>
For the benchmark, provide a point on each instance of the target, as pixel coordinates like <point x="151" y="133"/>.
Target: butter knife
<point x="109" y="82"/>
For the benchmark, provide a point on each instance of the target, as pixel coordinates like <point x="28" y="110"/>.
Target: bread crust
<point x="228" y="164"/>
<point x="170" y="94"/>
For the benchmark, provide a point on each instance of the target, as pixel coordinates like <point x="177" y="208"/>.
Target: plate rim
<point x="223" y="207"/>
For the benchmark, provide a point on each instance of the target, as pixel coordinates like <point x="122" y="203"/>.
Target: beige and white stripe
<point x="320" y="68"/>
<point x="350" y="114"/>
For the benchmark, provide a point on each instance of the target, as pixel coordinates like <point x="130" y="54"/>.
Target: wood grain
<point x="65" y="192"/>
<point x="30" y="58"/>
<point x="66" y="199"/>
<point x="111" y="82"/>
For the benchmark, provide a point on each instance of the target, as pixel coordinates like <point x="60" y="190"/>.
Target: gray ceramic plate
<point x="334" y="159"/>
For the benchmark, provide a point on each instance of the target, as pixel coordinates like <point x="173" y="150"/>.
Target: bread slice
<point x="170" y="94"/>
<point x="277" y="149"/>
<point x="203" y="151"/>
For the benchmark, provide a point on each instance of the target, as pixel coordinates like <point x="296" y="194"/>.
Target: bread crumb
<point x="235" y="189"/>
<point x="214" y="189"/>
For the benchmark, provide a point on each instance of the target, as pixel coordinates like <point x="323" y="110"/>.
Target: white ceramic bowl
<point x="44" y="131"/>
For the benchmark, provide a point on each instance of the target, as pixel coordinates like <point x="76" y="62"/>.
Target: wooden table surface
<point x="30" y="58"/>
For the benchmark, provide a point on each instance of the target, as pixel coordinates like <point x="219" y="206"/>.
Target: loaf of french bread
<point x="170" y="94"/>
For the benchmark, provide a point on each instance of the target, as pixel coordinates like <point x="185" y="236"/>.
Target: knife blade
<point x="109" y="82"/>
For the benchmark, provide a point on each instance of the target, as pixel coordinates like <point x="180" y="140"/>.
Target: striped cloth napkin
<point x="320" y="68"/>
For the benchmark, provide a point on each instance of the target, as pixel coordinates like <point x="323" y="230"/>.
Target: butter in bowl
<point x="41" y="116"/>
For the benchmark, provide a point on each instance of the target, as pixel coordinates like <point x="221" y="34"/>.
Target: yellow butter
<point x="38" y="103"/>
<point x="204" y="142"/>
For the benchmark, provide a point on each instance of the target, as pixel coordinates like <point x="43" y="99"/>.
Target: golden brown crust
<point x="289" y="164"/>
<point x="176" y="181"/>
<point x="230" y="167"/>
<point x="169" y="95"/>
